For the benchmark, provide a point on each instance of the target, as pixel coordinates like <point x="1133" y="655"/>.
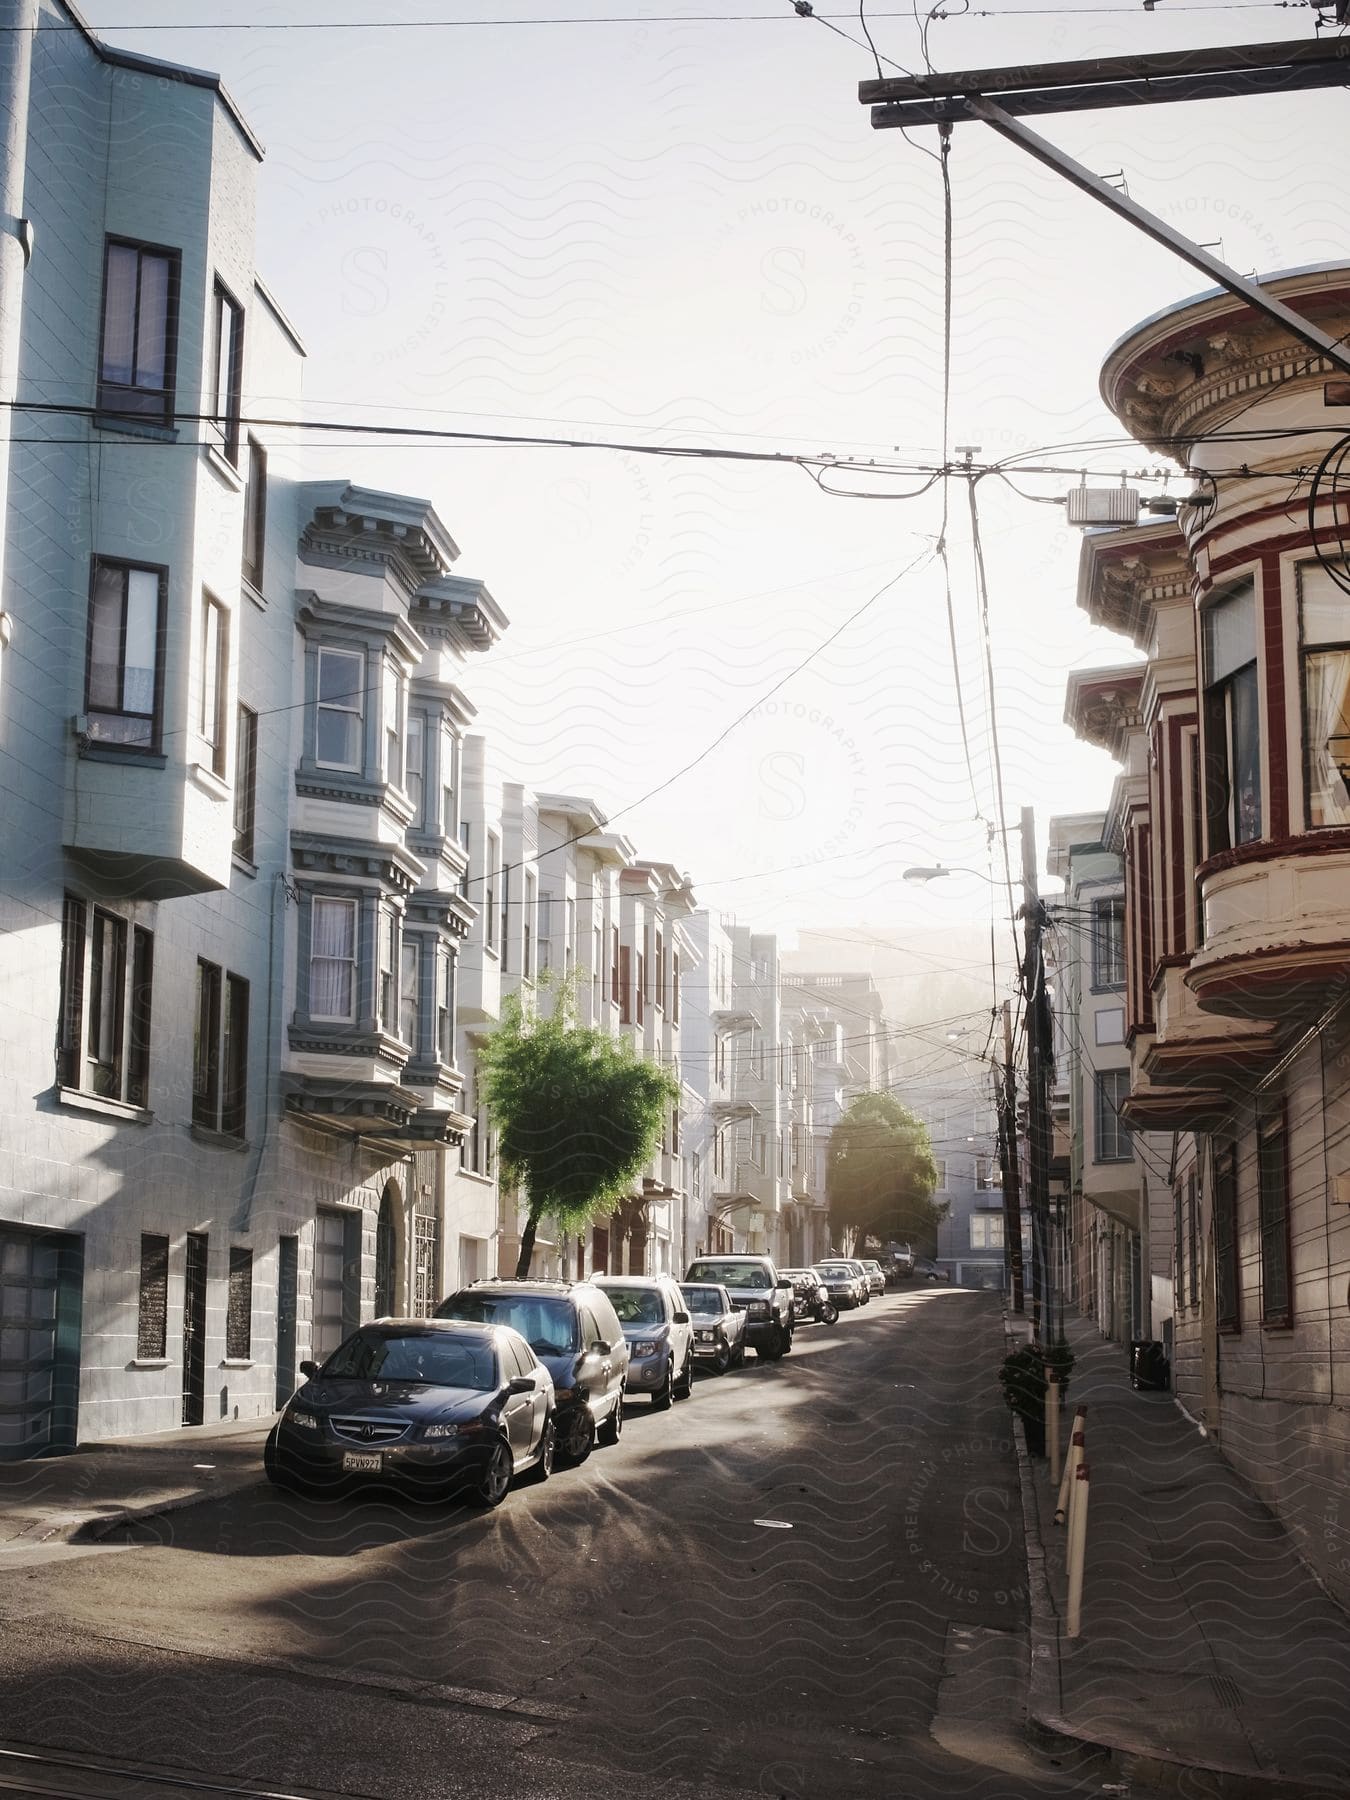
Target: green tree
<point x="577" y="1114"/>
<point x="880" y="1173"/>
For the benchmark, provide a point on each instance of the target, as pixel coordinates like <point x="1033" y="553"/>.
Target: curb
<point x="93" y="1526"/>
<point x="1046" y="1729"/>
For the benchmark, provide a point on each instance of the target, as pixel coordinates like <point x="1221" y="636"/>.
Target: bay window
<point x="332" y="959"/>
<point x="139" y="331"/>
<point x="1232" y="719"/>
<point x="409" y="995"/>
<point x="124" y="673"/>
<point x="340" y="709"/>
<point x="1324" y="646"/>
<point x="414" y="763"/>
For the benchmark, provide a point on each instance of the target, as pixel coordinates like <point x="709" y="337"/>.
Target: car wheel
<point x="490" y="1487"/>
<point x="661" y="1399"/>
<point x="829" y="1313"/>
<point x="612" y="1429"/>
<point x="548" y="1450"/>
<point x="722" y="1361"/>
<point x="277" y="1472"/>
<point x="785" y="1336"/>
<point x="684" y="1387"/>
<point x="773" y="1349"/>
<point x="579" y="1437"/>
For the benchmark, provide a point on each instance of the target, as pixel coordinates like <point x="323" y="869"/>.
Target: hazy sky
<point x="687" y="232"/>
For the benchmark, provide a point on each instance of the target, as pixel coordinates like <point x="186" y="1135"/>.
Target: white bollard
<point x="1078" y="1513"/>
<point x="1052" y="1424"/>
<point x="1072" y="1457"/>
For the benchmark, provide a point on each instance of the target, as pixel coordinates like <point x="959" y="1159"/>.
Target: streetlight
<point x="918" y="876"/>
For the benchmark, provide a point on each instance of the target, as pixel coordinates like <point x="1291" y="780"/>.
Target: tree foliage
<point x="578" y="1115"/>
<point x="880" y="1173"/>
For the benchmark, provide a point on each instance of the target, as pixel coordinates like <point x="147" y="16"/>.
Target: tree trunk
<point x="526" y="1248"/>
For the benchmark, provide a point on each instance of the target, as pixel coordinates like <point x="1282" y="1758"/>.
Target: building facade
<point x="1236" y="861"/>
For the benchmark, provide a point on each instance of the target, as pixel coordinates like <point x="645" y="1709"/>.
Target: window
<point x="1277" y="1295"/>
<point x="394" y="766"/>
<point x="239" y="1305"/>
<point x="385" y="959"/>
<point x="245" y="781"/>
<point x="941" y="1187"/>
<point x="506" y="914"/>
<point x="445" y="1010"/>
<point x="449" y="783"/>
<point x="545" y="951"/>
<point x="409" y="995"/>
<point x="1232" y="720"/>
<point x="1178" y="1246"/>
<point x="340" y="709"/>
<point x="719" y="1153"/>
<point x="123" y="681"/>
<point x="614" y="967"/>
<point x="625" y="995"/>
<point x="227" y="362"/>
<point x="570" y="946"/>
<point x="640" y="989"/>
<point x="140" y="332"/>
<point x="597" y="952"/>
<point x="675" y="1130"/>
<point x="757" y="1051"/>
<point x="415" y="762"/>
<point x="489" y="890"/>
<point x="1324" y="639"/>
<point x="1113" y="1137"/>
<point x="220" y="1051"/>
<point x="986" y="1231"/>
<point x="332" y="959"/>
<point x="987" y="1173"/>
<point x="1193" y="1236"/>
<point x="675" y="989"/>
<point x="660" y="972"/>
<point x="1227" y="1283"/>
<point x="103" y="1046"/>
<point x="468" y="859"/>
<point x="255" y="514"/>
<point x="214" y="679"/>
<point x="152" y="1311"/>
<point x="1108" y="943"/>
<point x="527" y="963"/>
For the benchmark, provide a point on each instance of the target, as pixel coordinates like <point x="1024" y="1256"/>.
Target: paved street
<point x="636" y="1616"/>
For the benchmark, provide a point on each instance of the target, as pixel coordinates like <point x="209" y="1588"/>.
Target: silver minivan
<point x="654" y="1317"/>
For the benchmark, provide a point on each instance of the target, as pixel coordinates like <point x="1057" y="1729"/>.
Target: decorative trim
<point x="79" y="1101"/>
<point x="318" y="854"/>
<point x="1328" y="841"/>
<point x="217" y="1140"/>
<point x="223" y="469"/>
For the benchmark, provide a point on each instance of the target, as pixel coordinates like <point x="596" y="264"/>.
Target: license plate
<point x="362" y="1462"/>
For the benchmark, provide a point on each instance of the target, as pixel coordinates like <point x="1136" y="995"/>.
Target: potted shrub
<point x="1022" y="1378"/>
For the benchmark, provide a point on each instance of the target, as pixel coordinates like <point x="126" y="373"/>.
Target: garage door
<point x="39" y="1341"/>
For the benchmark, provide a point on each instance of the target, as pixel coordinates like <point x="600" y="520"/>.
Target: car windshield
<point x="835" y="1272"/>
<point x="733" y="1274"/>
<point x="705" y="1301"/>
<point x="430" y="1359"/>
<point x="637" y="1306"/>
<point x="548" y="1326"/>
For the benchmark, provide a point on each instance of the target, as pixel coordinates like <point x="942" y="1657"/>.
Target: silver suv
<point x="654" y="1317"/>
<point x="760" y="1292"/>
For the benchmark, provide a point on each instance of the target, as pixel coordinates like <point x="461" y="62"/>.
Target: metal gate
<point x="194" y="1329"/>
<point x="426" y="1264"/>
<point x="39" y="1341"/>
<point x="337" y="1279"/>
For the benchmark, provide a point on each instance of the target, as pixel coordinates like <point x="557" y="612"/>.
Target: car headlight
<point x="306" y="1421"/>
<point x="645" y="1347"/>
<point x="446" y="1430"/>
<point x="758" y="1309"/>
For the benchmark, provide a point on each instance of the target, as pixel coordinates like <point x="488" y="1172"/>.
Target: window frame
<point x="414" y="782"/>
<point x="152" y="1287"/>
<point x="110" y="396"/>
<point x="245" y="782"/>
<point x="224" y="409"/>
<point x="1108" y="944"/>
<point x="239" y="1348"/>
<point x="127" y="1001"/>
<point x="492" y="848"/>
<point x="410" y="1008"/>
<point x="212" y="717"/>
<point x="1224" y="829"/>
<point x="352" y="961"/>
<point x="155" y="718"/>
<point x="447" y="961"/>
<point x="355" y="711"/>
<point x="528" y="925"/>
<point x="1306" y="652"/>
<point x="1101" y="1106"/>
<point x="1227" y="1245"/>
<point x="254" y="555"/>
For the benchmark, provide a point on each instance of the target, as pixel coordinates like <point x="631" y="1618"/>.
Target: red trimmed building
<point x="1232" y="818"/>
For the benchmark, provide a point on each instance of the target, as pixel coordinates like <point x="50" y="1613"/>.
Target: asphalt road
<point x="758" y="1591"/>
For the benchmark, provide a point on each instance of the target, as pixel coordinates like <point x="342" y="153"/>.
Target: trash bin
<point x="1149" y="1367"/>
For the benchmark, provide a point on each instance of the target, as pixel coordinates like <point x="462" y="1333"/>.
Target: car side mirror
<point x="520" y="1384"/>
<point x="783" y="1282"/>
<point x="309" y="1369"/>
<point x="682" y="1318"/>
<point x="601" y="1347"/>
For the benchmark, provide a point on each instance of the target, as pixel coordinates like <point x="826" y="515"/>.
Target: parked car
<point x="841" y="1284"/>
<point x="876" y="1277"/>
<point x="757" y="1290"/>
<point x="660" y="1334"/>
<point x="431" y="1406"/>
<point x="572" y="1329"/>
<point x="719" y="1329"/>
<point x="860" y="1275"/>
<point x="901" y="1259"/>
<point x="925" y="1269"/>
<point x="811" y="1299"/>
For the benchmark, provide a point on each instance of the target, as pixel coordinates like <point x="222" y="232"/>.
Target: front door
<point x="288" y="1295"/>
<point x="337" y="1280"/>
<point x="194" y="1330"/>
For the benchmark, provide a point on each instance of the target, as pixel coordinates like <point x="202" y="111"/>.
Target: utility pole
<point x="1006" y="1089"/>
<point x="945" y="99"/>
<point x="1040" y="1063"/>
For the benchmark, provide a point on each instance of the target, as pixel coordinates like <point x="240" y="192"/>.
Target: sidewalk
<point x="59" y="1499"/>
<point x="1206" y="1644"/>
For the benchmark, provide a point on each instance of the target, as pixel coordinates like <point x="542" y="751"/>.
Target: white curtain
<point x="332" y="959"/>
<point x="1327" y="690"/>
